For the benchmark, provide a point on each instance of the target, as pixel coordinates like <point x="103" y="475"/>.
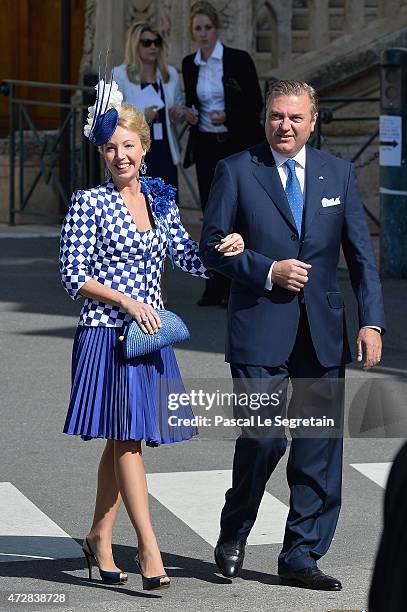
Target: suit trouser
<point x="314" y="469"/>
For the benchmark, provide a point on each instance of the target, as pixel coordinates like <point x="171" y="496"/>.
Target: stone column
<point x="283" y="13"/>
<point x="179" y="44"/>
<point x="318" y="23"/>
<point x="354" y="16"/>
<point x="88" y="37"/>
<point x="110" y="31"/>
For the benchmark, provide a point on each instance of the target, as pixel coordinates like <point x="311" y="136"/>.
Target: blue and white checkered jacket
<point x="100" y="241"/>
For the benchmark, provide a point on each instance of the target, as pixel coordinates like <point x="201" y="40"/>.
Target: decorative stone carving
<point x="88" y="37"/>
<point x="106" y="23"/>
<point x="141" y="10"/>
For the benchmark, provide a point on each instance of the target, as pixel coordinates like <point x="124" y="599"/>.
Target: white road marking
<point x="27" y="533"/>
<point x="378" y="472"/>
<point x="26" y="261"/>
<point x="197" y="498"/>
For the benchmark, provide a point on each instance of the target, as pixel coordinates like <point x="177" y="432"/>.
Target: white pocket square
<point x="330" y="201"/>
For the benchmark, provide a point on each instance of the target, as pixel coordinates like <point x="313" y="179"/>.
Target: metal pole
<point x="21" y="156"/>
<point x="393" y="163"/>
<point x="12" y="217"/>
<point x="92" y="157"/>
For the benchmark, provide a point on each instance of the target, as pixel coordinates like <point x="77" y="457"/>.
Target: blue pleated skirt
<point x="124" y="400"/>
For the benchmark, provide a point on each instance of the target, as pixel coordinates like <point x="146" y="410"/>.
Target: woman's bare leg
<point x="131" y="478"/>
<point x="108" y="500"/>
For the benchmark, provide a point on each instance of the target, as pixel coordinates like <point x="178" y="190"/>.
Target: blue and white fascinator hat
<point x="103" y="116"/>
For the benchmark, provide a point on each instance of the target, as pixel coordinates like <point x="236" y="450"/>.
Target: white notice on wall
<point x="390" y="140"/>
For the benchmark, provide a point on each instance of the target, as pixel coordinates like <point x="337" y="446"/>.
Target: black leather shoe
<point x="229" y="557"/>
<point x="311" y="578"/>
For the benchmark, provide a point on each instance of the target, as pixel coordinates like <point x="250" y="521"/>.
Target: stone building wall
<point x="334" y="44"/>
<point x="284" y="37"/>
<point x="106" y="23"/>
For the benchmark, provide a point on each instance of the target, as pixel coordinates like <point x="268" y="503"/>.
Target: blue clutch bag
<point x="135" y="342"/>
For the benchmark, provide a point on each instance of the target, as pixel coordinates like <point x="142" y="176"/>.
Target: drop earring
<point x="108" y="175"/>
<point x="143" y="166"/>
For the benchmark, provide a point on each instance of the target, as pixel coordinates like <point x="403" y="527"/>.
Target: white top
<point x="172" y="95"/>
<point x="209" y="88"/>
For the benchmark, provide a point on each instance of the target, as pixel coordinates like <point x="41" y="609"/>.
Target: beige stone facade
<point x="286" y="38"/>
<point x="334" y="44"/>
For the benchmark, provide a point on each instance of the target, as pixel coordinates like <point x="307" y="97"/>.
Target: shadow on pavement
<point x="58" y="571"/>
<point x="29" y="279"/>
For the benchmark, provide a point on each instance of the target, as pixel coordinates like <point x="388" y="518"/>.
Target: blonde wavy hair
<point x="131" y="55"/>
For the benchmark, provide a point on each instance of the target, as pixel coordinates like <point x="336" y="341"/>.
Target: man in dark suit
<point x="295" y="206"/>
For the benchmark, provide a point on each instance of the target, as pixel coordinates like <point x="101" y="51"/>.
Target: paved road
<point x="46" y="508"/>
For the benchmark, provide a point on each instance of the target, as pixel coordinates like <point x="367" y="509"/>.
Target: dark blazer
<point x="247" y="197"/>
<point x="388" y="590"/>
<point x="243" y="99"/>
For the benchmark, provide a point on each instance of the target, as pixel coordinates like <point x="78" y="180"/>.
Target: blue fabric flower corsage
<point x="163" y="198"/>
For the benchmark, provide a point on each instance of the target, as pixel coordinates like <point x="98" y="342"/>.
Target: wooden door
<point x="30" y="35"/>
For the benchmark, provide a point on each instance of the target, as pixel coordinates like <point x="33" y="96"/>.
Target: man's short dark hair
<point x="293" y="88"/>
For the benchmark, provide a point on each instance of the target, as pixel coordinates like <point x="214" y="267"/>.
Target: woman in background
<point x="144" y="65"/>
<point x="224" y="103"/>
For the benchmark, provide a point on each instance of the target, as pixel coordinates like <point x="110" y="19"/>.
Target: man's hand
<point x="230" y="245"/>
<point x="290" y="274"/>
<point x="369" y="342"/>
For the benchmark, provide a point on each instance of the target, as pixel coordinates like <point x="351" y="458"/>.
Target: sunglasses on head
<point x="147" y="42"/>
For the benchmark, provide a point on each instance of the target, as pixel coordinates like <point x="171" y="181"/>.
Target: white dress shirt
<point x="299" y="166"/>
<point x="209" y="88"/>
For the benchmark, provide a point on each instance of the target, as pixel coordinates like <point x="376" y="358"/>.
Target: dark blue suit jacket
<point x="247" y="197"/>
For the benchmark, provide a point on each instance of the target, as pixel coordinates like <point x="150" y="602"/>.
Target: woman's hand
<point x="145" y="315"/>
<point x="177" y="112"/>
<point x="191" y="116"/>
<point x="232" y="244"/>
<point x="217" y="117"/>
<point x="150" y="113"/>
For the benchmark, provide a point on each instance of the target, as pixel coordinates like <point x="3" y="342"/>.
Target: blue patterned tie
<point x="294" y="194"/>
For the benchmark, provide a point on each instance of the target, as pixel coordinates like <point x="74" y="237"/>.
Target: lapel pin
<point x="321" y="178"/>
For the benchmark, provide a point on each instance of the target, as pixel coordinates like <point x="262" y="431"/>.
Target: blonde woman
<point x="144" y="68"/>
<point x="224" y="101"/>
<point x="114" y="241"/>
